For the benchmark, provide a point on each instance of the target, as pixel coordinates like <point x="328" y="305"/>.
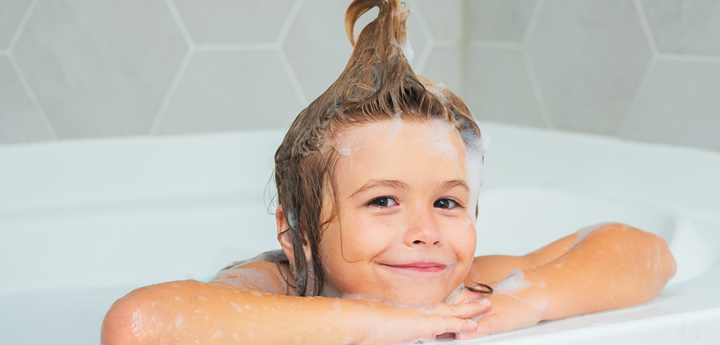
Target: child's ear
<point x="285" y="237"/>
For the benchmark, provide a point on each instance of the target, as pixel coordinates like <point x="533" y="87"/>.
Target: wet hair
<point x="377" y="84"/>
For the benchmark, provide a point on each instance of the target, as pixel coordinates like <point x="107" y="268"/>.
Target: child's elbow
<point x="126" y="321"/>
<point x="655" y="252"/>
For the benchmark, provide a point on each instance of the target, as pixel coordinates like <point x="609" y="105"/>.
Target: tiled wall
<point x="645" y="70"/>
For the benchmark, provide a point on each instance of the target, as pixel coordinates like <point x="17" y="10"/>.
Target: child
<point x="378" y="182"/>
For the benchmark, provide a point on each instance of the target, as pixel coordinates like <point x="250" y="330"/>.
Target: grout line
<point x="288" y="22"/>
<point x="646" y="27"/>
<point x="636" y="96"/>
<point x="181" y="24"/>
<point x="21" y="27"/>
<point x="689" y="57"/>
<point x="33" y="98"/>
<point x="542" y="104"/>
<point x="171" y="92"/>
<point x="293" y="78"/>
<point x="418" y="13"/>
<point x="463" y="45"/>
<point x="430" y="41"/>
<point x="235" y="47"/>
<point x="181" y="70"/>
<point x="533" y="20"/>
<point x="447" y="43"/>
<point x="495" y="44"/>
<point x="424" y="57"/>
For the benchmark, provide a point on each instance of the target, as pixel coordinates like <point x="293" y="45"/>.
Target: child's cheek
<point x="366" y="238"/>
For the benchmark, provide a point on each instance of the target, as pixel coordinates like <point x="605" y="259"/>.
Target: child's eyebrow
<point x="455" y="183"/>
<point x="379" y="183"/>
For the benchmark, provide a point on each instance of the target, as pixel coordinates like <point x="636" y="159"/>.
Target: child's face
<point x="406" y="231"/>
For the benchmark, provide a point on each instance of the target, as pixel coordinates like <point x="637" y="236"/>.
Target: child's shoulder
<point x="268" y="272"/>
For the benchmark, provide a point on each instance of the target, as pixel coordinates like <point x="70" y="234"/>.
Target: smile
<point x="421" y="267"/>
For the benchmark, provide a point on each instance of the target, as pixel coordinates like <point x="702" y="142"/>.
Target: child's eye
<point x="445" y="203"/>
<point x="383" y="201"/>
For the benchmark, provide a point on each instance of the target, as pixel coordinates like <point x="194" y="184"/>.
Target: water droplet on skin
<point x="248" y="306"/>
<point x="327" y="329"/>
<point x="255" y="293"/>
<point x="199" y="310"/>
<point x="153" y="303"/>
<point x="251" y="335"/>
<point x="175" y="285"/>
<point x="202" y="298"/>
<point x="347" y="340"/>
<point x="218" y="334"/>
<point x="236" y="337"/>
<point x="298" y="339"/>
<point x="177" y="298"/>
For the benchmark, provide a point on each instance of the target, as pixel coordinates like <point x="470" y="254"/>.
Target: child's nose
<point x="422" y="229"/>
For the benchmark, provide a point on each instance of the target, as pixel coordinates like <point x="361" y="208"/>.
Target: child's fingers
<point x="462" y="310"/>
<point x="447" y="324"/>
<point x="488" y="324"/>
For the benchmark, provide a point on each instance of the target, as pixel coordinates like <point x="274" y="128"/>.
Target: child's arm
<point x="189" y="311"/>
<point x="613" y="266"/>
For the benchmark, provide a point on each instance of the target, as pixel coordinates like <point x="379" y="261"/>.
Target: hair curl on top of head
<point x="377" y="84"/>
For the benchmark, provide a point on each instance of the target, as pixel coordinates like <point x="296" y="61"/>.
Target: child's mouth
<point x="422" y="267"/>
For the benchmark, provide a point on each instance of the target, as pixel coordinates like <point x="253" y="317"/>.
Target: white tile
<point x="499" y="88"/>
<point x="444" y="66"/>
<point x="589" y="57"/>
<point x="318" y="48"/>
<point x="19" y="122"/>
<point x="498" y="20"/>
<point x="11" y="14"/>
<point x="224" y="91"/>
<point x="233" y="21"/>
<point x="679" y="105"/>
<point x="685" y="26"/>
<point x="100" y="68"/>
<point x="442" y="18"/>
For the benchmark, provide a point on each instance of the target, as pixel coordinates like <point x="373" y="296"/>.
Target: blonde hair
<point x="377" y="84"/>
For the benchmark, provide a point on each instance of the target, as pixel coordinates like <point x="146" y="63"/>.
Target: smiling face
<point x="406" y="230"/>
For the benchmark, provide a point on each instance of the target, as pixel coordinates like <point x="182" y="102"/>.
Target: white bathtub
<point x="83" y="222"/>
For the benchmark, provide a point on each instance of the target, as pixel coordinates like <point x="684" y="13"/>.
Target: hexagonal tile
<point x="499" y="89"/>
<point x="19" y="122"/>
<point x="11" y="13"/>
<point x="232" y="21"/>
<point x="443" y="66"/>
<point x="685" y="26"/>
<point x="679" y="105"/>
<point x="442" y="18"/>
<point x="318" y="49"/>
<point x="589" y="57"/>
<point x="100" y="68"/>
<point x="498" y="20"/>
<point x="238" y="90"/>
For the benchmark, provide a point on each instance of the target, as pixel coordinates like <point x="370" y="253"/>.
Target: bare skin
<point x="406" y="234"/>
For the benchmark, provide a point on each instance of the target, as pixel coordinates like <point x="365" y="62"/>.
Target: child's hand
<point x="507" y="313"/>
<point x="401" y="325"/>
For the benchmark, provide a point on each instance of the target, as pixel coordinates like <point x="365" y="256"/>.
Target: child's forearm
<point x="188" y="311"/>
<point x="613" y="267"/>
<point x="191" y="311"/>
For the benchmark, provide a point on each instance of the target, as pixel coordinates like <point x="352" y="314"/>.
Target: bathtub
<point x="83" y="222"/>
